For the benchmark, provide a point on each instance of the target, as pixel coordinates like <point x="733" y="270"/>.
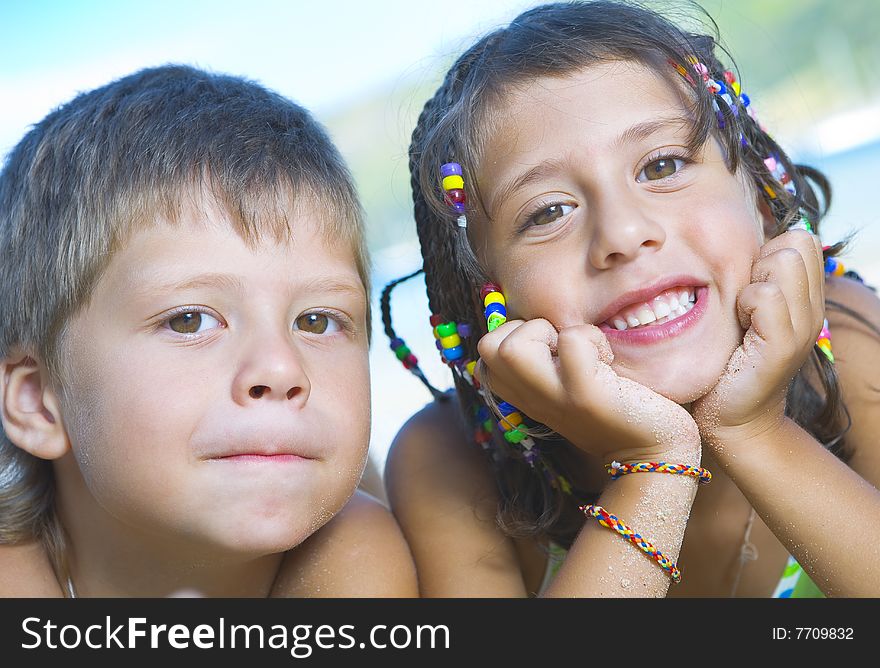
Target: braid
<point x="400" y="349"/>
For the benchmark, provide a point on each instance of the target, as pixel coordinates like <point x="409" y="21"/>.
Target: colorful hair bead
<point x="833" y="267"/>
<point x="452" y="180"/>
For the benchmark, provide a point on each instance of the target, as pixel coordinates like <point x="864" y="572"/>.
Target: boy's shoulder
<point x="360" y="552"/>
<point x="26" y="572"/>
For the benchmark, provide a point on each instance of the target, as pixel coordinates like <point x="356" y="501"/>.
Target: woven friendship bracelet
<point x="616" y="469"/>
<point x="606" y="519"/>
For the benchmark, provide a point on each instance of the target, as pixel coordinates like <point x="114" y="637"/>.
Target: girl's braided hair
<point x="556" y="40"/>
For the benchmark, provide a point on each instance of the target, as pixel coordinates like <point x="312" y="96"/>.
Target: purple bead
<point x="438" y="344"/>
<point x="464" y="330"/>
<point x="450" y="169"/>
<point x="459" y="207"/>
<point x="396" y="343"/>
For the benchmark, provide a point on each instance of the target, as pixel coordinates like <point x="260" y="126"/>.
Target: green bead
<point x="488" y="425"/>
<point x="514" y="435"/>
<point x="446" y="329"/>
<point x="402" y="352"/>
<point x="495" y="321"/>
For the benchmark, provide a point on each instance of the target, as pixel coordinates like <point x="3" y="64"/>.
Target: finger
<point x="810" y="248"/>
<point x="786" y="268"/>
<point x="523" y="360"/>
<point x="582" y="349"/>
<point x="764" y="306"/>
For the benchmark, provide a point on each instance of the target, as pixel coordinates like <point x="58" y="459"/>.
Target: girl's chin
<point x="683" y="388"/>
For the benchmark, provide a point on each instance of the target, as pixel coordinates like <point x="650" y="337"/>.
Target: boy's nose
<point x="621" y="232"/>
<point x="272" y="372"/>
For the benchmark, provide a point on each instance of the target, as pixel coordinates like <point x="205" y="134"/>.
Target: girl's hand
<point x="782" y="308"/>
<point x="564" y="380"/>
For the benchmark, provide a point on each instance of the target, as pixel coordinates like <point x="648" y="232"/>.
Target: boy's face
<point x="217" y="394"/>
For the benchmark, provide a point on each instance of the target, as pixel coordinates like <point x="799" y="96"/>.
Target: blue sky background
<point x="322" y="53"/>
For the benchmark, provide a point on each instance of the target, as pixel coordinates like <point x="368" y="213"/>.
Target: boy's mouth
<point x="666" y="306"/>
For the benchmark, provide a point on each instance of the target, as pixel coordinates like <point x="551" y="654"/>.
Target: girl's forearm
<point x="602" y="563"/>
<point x="823" y="512"/>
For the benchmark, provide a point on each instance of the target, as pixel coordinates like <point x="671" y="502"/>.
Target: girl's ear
<point x="30" y="410"/>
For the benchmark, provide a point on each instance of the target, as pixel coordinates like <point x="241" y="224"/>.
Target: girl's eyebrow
<point x="642" y="131"/>
<point x="633" y="134"/>
<point x="531" y="175"/>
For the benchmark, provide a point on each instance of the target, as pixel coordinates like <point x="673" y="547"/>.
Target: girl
<point x="663" y="298"/>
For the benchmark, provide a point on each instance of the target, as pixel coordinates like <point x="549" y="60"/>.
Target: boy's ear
<point x="30" y="410"/>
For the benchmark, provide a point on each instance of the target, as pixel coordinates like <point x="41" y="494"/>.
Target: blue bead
<point x="746" y="101"/>
<point x="830" y="265"/>
<point x="396" y="343"/>
<point x="483" y="414"/>
<point x="450" y="169"/>
<point x="495" y="307"/>
<point x="506" y="409"/>
<point x="452" y="354"/>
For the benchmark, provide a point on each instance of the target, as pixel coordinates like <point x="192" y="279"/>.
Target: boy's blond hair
<point x="116" y="159"/>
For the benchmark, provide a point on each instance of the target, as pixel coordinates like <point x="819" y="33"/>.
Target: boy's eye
<point x="660" y="169"/>
<point x="316" y="323"/>
<point x="551" y="213"/>
<point x="191" y="322"/>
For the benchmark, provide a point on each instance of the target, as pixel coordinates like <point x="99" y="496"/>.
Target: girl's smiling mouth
<point x="655" y="313"/>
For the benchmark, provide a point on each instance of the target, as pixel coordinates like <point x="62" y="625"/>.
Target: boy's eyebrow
<point x="212" y="280"/>
<point x="633" y="134"/>
<point x="230" y="282"/>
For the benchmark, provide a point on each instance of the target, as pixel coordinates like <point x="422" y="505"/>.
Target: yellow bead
<point x="450" y="341"/>
<point x="470" y="366"/>
<point x="494" y="298"/>
<point x="453" y="182"/>
<point x="510" y="421"/>
<point x="736" y="88"/>
<point x="839" y="269"/>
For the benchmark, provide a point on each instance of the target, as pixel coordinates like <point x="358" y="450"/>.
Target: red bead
<point x="729" y="77"/>
<point x="436" y="320"/>
<point x="412" y="359"/>
<point x="456" y="196"/>
<point x="487" y="288"/>
<point x="482" y="436"/>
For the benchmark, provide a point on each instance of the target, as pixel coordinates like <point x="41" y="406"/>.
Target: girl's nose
<point x="621" y="232"/>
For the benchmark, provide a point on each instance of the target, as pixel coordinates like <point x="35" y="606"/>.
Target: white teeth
<point x="659" y="310"/>
<point x="645" y="315"/>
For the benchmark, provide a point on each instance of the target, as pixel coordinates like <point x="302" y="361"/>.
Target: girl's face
<point x="218" y="392"/>
<point x="599" y="213"/>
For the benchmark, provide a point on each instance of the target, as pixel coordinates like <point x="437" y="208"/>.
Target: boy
<point x="183" y="355"/>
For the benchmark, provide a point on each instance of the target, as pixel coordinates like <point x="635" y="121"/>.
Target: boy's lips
<point x="257" y="449"/>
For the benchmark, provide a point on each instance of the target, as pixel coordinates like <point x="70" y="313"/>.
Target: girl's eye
<point x="316" y="323"/>
<point x="550" y="214"/>
<point x="660" y="169"/>
<point x="191" y="322"/>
